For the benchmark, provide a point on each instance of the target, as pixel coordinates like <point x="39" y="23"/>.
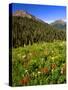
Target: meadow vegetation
<point x="39" y="64"/>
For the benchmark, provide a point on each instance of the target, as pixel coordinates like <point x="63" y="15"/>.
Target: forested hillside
<point x="26" y="30"/>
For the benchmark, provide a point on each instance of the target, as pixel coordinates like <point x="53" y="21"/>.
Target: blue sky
<point x="47" y="13"/>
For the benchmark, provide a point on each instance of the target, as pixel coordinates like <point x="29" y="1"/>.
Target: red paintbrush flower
<point x="53" y="66"/>
<point x="44" y="70"/>
<point x="25" y="80"/>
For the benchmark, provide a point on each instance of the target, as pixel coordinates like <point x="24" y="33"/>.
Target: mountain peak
<point x="59" y="22"/>
<point x="21" y="13"/>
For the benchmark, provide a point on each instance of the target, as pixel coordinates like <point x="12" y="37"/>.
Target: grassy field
<point x="39" y="64"/>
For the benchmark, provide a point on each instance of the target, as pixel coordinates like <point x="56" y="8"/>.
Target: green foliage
<point x="62" y="79"/>
<point x="55" y="75"/>
<point x="39" y="64"/>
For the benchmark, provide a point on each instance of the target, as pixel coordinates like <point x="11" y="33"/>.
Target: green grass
<point x="39" y="64"/>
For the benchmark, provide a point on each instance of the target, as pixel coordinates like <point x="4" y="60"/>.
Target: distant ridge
<point x="59" y="24"/>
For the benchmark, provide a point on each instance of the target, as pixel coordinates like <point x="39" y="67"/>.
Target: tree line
<point x="27" y="31"/>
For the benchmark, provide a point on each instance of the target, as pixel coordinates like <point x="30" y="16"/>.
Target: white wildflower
<point x="52" y="58"/>
<point x="30" y="54"/>
<point x="19" y="55"/>
<point x="42" y="59"/>
<point x="52" y="70"/>
<point x="52" y="51"/>
<point x="26" y="71"/>
<point x="23" y="56"/>
<point x="33" y="73"/>
<point x="39" y="72"/>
